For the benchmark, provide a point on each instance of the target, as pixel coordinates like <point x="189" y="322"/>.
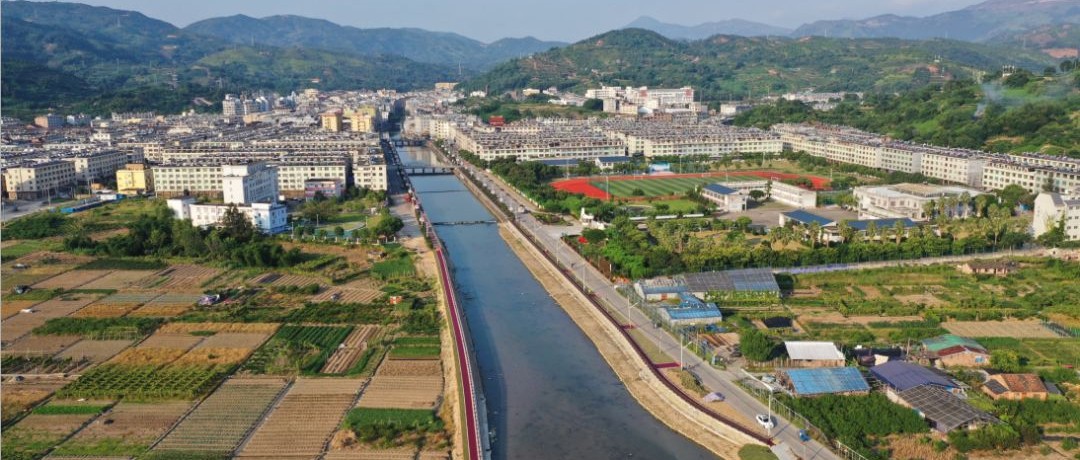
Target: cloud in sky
<point x="567" y="20"/>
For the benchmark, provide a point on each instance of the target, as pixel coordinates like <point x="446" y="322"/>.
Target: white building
<point x="1053" y="208"/>
<point x="727" y="199"/>
<point x="249" y="183"/>
<point x="97" y="165"/>
<point x="790" y="195"/>
<point x="369" y="171"/>
<point x="266" y="217"/>
<point x="909" y="200"/>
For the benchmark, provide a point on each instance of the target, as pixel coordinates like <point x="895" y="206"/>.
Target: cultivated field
<point x="178" y="341"/>
<point x="347" y="295"/>
<point x="71" y="279"/>
<point x="349" y="350"/>
<point x="181" y="278"/>
<point x="95" y="351"/>
<point x="105" y="310"/>
<point x="41" y="345"/>
<point x="21" y="324"/>
<point x="305" y="419"/>
<point x="410" y="368"/>
<point x="37" y="433"/>
<point x="224" y="419"/>
<point x="241" y="340"/>
<point x="127" y="429"/>
<point x="278" y="279"/>
<point x="17" y="397"/>
<point x="119" y="279"/>
<point x="266" y="328"/>
<point x="133" y="298"/>
<point x="1008" y="328"/>
<point x="409" y="392"/>
<point x="13" y="307"/>
<point x="372" y="454"/>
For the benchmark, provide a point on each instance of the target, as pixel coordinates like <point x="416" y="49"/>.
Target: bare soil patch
<point x="41" y="345"/>
<point x="347" y="295"/>
<point x="929" y="300"/>
<point x="349" y="350"/>
<point x="240" y="340"/>
<point x="94" y="350"/>
<point x="147" y="356"/>
<point x="178" y="341"/>
<point x="105" y="310"/>
<point x="1009" y="328"/>
<point x="119" y="279"/>
<point x="410" y="368"/>
<point x="20" y="324"/>
<point x="134" y="423"/>
<point x="412" y="392"/>
<point x="175" y="328"/>
<point x="71" y="279"/>
<point x="223" y="420"/>
<point x="13" y="307"/>
<point x="301" y="425"/>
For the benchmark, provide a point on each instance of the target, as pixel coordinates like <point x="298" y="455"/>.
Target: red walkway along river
<point x="584" y="185"/>
<point x="472" y="429"/>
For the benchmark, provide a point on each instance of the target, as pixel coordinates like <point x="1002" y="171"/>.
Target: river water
<point x="550" y="395"/>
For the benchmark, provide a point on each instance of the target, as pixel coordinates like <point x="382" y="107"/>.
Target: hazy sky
<point x="566" y="20"/>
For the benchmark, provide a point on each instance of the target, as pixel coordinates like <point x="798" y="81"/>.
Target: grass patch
<point x="415" y="352"/>
<point x="64" y="409"/>
<point x="107" y="447"/>
<point x="398" y="265"/>
<point x="118" y="263"/>
<point x="367" y="362"/>
<point x="335" y="312"/>
<point x="100" y="328"/>
<point x="23" y="248"/>
<point x="33" y="294"/>
<point x="756" y="452"/>
<point x="388" y="426"/>
<point x="417" y="341"/>
<point x="184" y="455"/>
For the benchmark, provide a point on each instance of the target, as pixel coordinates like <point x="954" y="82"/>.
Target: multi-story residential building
<point x="31" y="181"/>
<point x="369" y="171"/>
<point x="293" y="177"/>
<point x="135" y="179"/>
<point x="331" y="121"/>
<point x="1035" y="178"/>
<point x="49" y="121"/>
<point x="232" y="106"/>
<point x="952" y="166"/>
<point x="97" y="165"/>
<point x="1053" y="209"/>
<point x="329" y="188"/>
<point x="249" y="183"/>
<point x="187" y="178"/>
<point x="910" y="200"/>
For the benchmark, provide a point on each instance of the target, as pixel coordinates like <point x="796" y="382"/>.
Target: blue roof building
<point x="803" y="218"/>
<point x="825" y="380"/>
<point x="902" y="375"/>
<point x="862" y="225"/>
<point x="720" y="189"/>
<point x="561" y="162"/>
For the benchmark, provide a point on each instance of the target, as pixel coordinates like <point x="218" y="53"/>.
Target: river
<point x="550" y="395"/>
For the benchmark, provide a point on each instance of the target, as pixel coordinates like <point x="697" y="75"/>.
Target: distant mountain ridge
<point x="416" y="44"/>
<point x="739" y="27"/>
<point x="977" y="23"/>
<point x="1047" y="24"/>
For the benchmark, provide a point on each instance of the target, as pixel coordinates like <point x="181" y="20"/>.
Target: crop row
<point x="297" y="349"/>
<point x="145" y="382"/>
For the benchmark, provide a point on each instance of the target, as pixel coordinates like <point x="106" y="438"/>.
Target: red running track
<point x="472" y="429"/>
<point x="583" y="185"/>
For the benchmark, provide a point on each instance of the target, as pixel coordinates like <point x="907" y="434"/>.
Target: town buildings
<point x="134" y="179"/>
<point x="37" y="180"/>
<point x="914" y="201"/>
<point x="1057" y="209"/>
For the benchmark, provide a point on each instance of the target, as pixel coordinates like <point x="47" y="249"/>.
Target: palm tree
<point x="965" y="202"/>
<point x="871" y="231"/>
<point x="928" y="209"/>
<point x="815" y="233"/>
<point x="981" y="202"/>
<point x="846" y="232"/>
<point x="898" y="231"/>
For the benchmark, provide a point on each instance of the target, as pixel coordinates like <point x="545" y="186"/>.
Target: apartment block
<point x="135" y="179"/>
<point x="32" y="181"/>
<point x="97" y="165"/>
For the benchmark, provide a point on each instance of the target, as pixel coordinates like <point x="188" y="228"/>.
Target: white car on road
<point x="765" y="421"/>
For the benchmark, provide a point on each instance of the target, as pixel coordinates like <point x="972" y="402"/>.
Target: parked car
<point x="22" y="289"/>
<point x="765" y="421"/>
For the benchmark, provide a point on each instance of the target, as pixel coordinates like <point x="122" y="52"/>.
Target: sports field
<point x="660" y="186"/>
<point x="669" y="184"/>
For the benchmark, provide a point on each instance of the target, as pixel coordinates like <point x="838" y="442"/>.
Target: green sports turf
<point x="662" y="186"/>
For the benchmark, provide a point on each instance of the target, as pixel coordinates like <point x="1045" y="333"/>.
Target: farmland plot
<point x="119" y="279"/>
<point x="304" y="420"/>
<point x="168" y="305"/>
<point x="13" y="307"/>
<point x="39" y="432"/>
<point x="1011" y="328"/>
<point x="278" y="279"/>
<point x="41" y="345"/>
<point x="225" y="418"/>
<point x="71" y="279"/>
<point x="145" y="382"/>
<point x="21" y="324"/>
<point x="134" y="298"/>
<point x="105" y="310"/>
<point x="297" y="350"/>
<point x="347" y="295"/>
<point x="267" y="328"/>
<point x="128" y="429"/>
<point x="18" y="397"/>
<point x="372" y="454"/>
<point x="411" y="368"/>
<point x="349" y="350"/>
<point x="410" y="392"/>
<point x="171" y="340"/>
<point x="94" y="351"/>
<point x="182" y="278"/>
<point x="243" y="340"/>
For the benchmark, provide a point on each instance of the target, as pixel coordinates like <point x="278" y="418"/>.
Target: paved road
<point x="712" y="378"/>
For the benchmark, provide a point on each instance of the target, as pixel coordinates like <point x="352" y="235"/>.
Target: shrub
<point x="36" y="226"/>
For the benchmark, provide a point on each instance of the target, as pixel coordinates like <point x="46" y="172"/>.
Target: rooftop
<point x="826" y="380"/>
<point x="942" y="342"/>
<point x="813" y="351"/>
<point x="947" y="411"/>
<point x="904" y="375"/>
<point x="806" y="217"/>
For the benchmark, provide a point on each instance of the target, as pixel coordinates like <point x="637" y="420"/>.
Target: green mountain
<point x="705" y="30"/>
<point x="981" y="22"/>
<point x="416" y="44"/>
<point x="724" y="67"/>
<point x="72" y="57"/>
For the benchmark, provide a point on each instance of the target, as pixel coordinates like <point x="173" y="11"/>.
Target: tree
<point x="1006" y="361"/>
<point x="755" y="345"/>
<point x="236" y="225"/>
<point x="757" y="195"/>
<point x="768" y="189"/>
<point x="594" y="236"/>
<point x="339" y="232"/>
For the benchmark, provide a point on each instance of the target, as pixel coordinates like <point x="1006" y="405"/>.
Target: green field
<point x="662" y="186"/>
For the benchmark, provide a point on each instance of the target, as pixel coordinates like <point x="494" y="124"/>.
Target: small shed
<point x="999" y="268"/>
<point x="953" y="350"/>
<point x="814" y="354"/>
<point x="898" y="376"/>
